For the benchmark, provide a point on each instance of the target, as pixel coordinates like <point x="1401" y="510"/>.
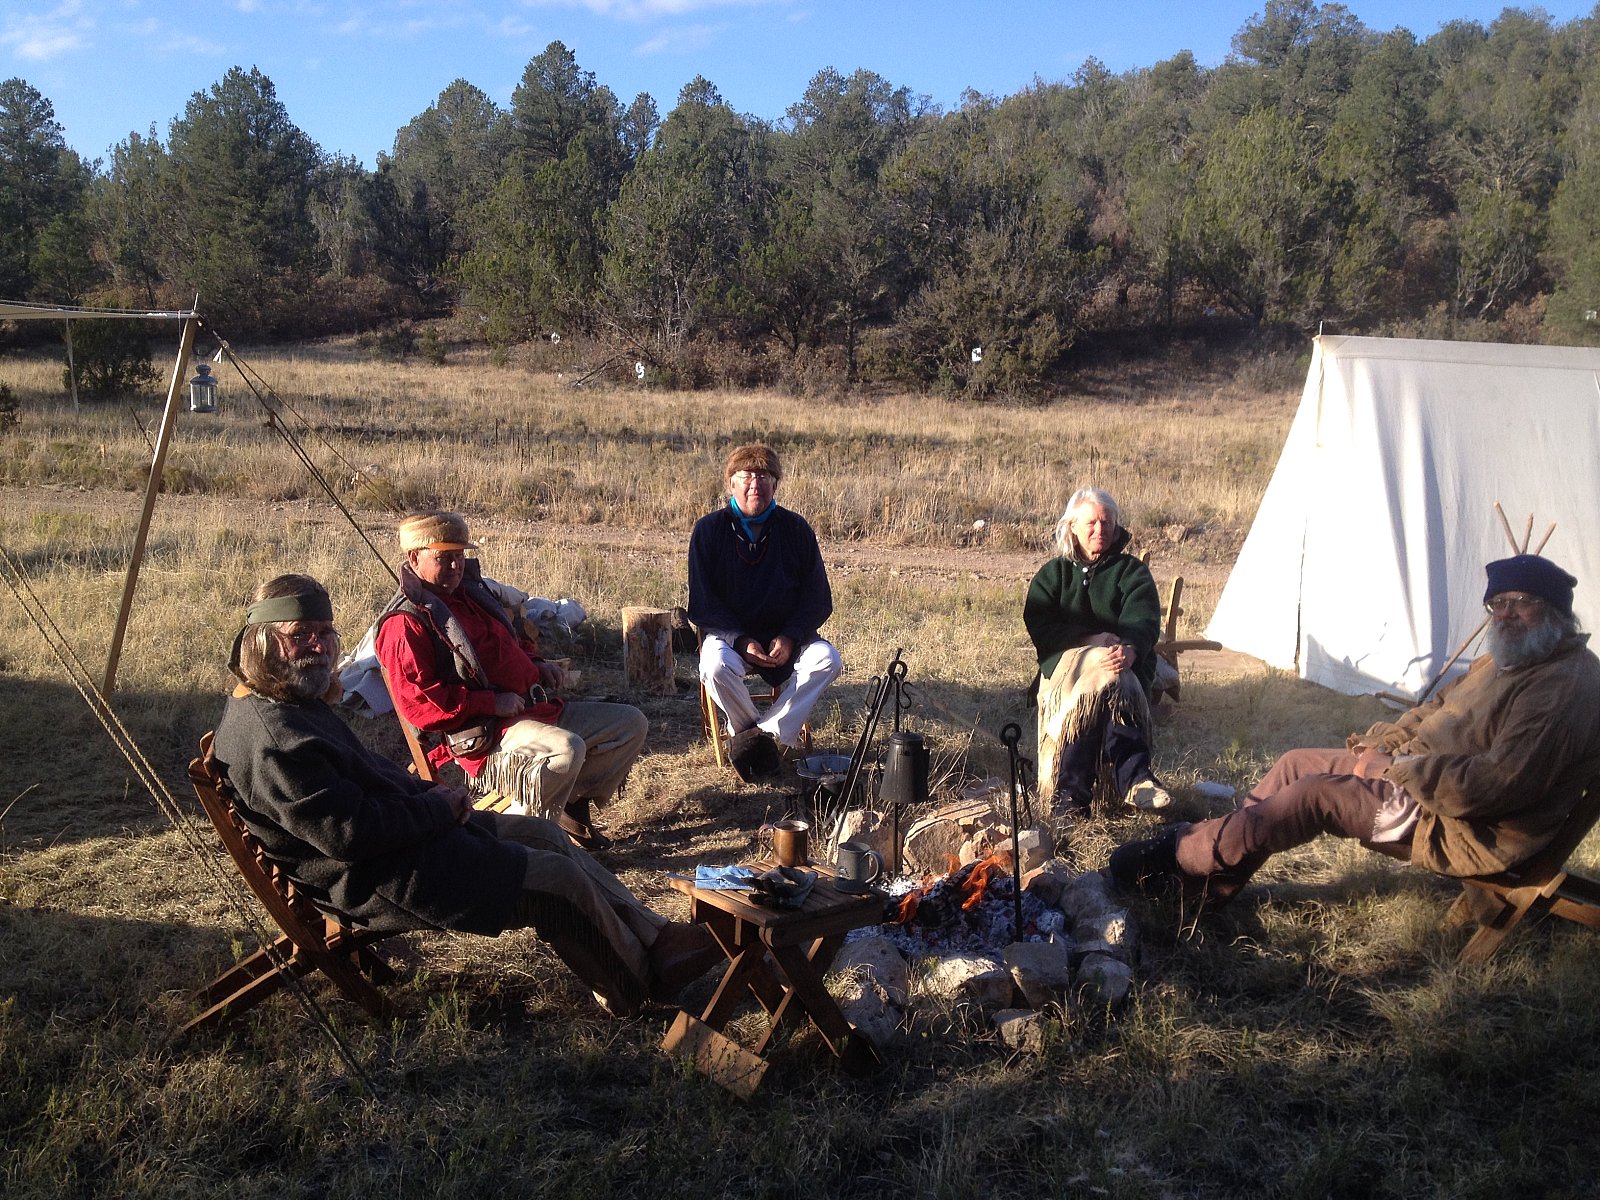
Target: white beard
<point x="306" y="678"/>
<point x="1512" y="646"/>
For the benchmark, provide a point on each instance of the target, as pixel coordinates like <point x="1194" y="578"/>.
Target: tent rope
<point x="274" y="406"/>
<point x="187" y="828"/>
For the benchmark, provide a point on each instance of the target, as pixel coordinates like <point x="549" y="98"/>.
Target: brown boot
<point x="577" y="825"/>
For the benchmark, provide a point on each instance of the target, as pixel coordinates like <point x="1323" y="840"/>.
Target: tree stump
<point x="647" y="650"/>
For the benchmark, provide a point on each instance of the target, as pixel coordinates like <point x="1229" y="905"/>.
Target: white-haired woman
<point x="1094" y="616"/>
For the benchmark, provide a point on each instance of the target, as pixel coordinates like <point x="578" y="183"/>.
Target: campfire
<point x="971" y="907"/>
<point x="967" y="936"/>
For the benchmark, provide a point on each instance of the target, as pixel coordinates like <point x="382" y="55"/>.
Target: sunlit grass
<point x="897" y="470"/>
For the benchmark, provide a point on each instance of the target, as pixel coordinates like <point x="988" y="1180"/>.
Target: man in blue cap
<point x="1472" y="782"/>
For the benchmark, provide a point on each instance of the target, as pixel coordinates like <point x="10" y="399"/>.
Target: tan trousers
<point x="586" y="756"/>
<point x="596" y="925"/>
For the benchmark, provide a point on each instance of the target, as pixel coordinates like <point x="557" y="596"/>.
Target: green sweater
<point x="1068" y="601"/>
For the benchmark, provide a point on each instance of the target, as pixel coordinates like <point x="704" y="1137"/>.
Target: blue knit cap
<point x="1532" y="574"/>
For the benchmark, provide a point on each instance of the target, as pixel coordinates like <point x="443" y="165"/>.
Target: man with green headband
<point x="392" y="852"/>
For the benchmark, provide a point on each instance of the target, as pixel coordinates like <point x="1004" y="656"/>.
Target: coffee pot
<point x="905" y="771"/>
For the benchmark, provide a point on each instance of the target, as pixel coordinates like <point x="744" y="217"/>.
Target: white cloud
<point x="512" y="27"/>
<point x="193" y="44"/>
<point x="167" y="40"/>
<point x="403" y="19"/>
<point x="679" y="41"/>
<point x="41" y="45"/>
<point x="50" y="35"/>
<point x="644" y="10"/>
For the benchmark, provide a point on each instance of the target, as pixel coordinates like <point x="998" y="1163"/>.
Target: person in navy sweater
<point x="759" y="593"/>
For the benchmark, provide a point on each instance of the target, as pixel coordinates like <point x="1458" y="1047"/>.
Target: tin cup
<point x="789" y="842"/>
<point x="858" y="867"/>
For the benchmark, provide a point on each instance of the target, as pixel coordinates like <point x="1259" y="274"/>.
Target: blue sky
<point x="352" y="73"/>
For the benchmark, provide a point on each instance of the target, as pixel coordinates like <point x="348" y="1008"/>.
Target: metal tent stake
<point x="1010" y="737"/>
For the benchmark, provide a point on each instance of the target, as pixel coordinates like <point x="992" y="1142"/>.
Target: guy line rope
<point x="227" y="881"/>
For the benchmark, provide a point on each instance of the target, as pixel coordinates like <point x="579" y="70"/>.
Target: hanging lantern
<point x="203" y="391"/>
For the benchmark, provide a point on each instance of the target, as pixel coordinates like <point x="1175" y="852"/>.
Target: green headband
<point x="308" y="606"/>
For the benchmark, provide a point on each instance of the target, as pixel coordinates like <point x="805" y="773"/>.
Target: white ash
<point x="941" y="927"/>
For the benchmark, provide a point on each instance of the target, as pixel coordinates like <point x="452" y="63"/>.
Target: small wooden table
<point x="780" y="956"/>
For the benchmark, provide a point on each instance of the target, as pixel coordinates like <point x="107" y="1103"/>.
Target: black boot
<point x="754" y="754"/>
<point x="1149" y="866"/>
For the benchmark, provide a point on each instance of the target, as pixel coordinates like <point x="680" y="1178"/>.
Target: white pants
<point x="722" y="670"/>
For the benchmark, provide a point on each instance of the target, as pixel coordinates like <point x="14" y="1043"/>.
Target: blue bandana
<point x="752" y="525"/>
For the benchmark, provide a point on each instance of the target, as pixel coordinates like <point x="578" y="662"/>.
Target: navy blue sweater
<point x="778" y="586"/>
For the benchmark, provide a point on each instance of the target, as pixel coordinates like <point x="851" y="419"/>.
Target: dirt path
<point x="842" y="557"/>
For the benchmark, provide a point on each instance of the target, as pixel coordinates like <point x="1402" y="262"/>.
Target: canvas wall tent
<point x="1363" y="569"/>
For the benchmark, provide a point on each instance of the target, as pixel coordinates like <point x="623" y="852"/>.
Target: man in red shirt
<point x="459" y="669"/>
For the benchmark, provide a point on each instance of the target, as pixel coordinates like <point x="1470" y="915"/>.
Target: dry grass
<point x="892" y="470"/>
<point x="1317" y="1041"/>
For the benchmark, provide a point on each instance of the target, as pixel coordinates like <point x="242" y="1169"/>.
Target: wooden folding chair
<point x="1541" y="885"/>
<point x="311" y="940"/>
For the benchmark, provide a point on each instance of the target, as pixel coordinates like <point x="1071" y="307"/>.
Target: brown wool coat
<point x="1497" y="759"/>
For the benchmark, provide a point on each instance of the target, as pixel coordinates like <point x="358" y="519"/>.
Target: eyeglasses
<point x="743" y="477"/>
<point x="1500" y="605"/>
<point x="446" y="556"/>
<point x="303" y="637"/>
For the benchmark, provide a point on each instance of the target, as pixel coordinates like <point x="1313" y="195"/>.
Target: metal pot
<point x="905" y="771"/>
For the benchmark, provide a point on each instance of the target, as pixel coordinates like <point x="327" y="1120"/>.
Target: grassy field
<point x="1318" y="1040"/>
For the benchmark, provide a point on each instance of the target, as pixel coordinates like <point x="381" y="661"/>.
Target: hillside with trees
<point x="1325" y="173"/>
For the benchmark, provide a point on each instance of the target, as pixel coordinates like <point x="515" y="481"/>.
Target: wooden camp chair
<point x="713" y="723"/>
<point x="1171" y="645"/>
<point x="311" y="940"/>
<point x="1541" y="885"/>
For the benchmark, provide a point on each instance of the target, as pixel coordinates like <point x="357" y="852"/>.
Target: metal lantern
<point x="202" y="391"/>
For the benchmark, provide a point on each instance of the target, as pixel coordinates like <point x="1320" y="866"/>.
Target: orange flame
<point x="908" y="907"/>
<point x="983" y="873"/>
<point x="972" y="890"/>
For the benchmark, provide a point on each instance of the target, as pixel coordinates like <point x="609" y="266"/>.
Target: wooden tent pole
<point x="72" y="366"/>
<point x="151" y="491"/>
<point x="1506" y="525"/>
